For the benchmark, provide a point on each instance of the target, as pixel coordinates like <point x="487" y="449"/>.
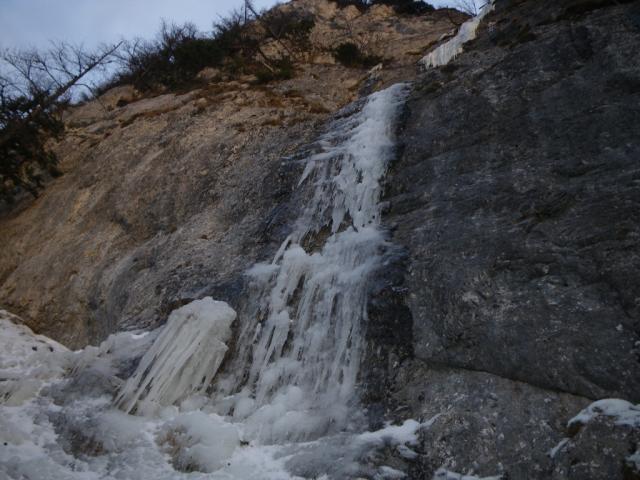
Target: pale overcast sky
<point x="26" y="23"/>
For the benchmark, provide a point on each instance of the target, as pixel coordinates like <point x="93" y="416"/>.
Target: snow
<point x="394" y="434"/>
<point x="197" y="441"/>
<point x="28" y="446"/>
<point x="453" y="47"/>
<point x="554" y="451"/>
<point x="390" y="473"/>
<point x="167" y="443"/>
<point x="443" y="474"/>
<point x="114" y="353"/>
<point x="183" y="359"/>
<point x="27" y="361"/>
<point x="633" y="460"/>
<point x="620" y="411"/>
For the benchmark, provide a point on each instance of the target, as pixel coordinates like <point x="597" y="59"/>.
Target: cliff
<point x="516" y="203"/>
<point x="508" y="299"/>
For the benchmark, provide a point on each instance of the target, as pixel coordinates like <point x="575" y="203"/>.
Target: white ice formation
<point x="184" y="358"/>
<point x="303" y="347"/>
<point x="453" y="47"/>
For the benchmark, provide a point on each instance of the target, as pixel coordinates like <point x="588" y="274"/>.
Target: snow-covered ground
<point x="38" y="429"/>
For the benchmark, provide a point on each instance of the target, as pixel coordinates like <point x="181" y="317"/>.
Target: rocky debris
<point x="209" y="74"/>
<point x="95" y="111"/>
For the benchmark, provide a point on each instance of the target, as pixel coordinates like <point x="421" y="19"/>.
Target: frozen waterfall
<point x="306" y="338"/>
<point x="453" y="47"/>
<point x="277" y="398"/>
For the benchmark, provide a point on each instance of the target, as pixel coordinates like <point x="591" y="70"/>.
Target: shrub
<point x="406" y="7"/>
<point x="179" y="52"/>
<point x="24" y="159"/>
<point x="283" y="70"/>
<point x="235" y="37"/>
<point x="350" y="55"/>
<point x="172" y="59"/>
<point x="194" y="54"/>
<point x="291" y="25"/>
<point x="361" y="5"/>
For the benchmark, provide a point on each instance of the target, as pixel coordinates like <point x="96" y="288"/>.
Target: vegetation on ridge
<point x="178" y="53"/>
<point x="39" y="85"/>
<point x="410" y="7"/>
<point x="35" y="87"/>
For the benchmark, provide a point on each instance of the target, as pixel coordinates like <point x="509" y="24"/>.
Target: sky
<point x="27" y="23"/>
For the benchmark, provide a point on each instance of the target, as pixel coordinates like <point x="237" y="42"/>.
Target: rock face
<point x="171" y="198"/>
<point x="515" y="201"/>
<point x="165" y="199"/>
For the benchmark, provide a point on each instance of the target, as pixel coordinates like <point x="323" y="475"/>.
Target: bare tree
<point x="34" y="85"/>
<point x="466" y="6"/>
<point x="55" y="72"/>
<point x="470" y="7"/>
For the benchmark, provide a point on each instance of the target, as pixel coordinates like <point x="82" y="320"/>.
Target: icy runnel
<point x="453" y="47"/>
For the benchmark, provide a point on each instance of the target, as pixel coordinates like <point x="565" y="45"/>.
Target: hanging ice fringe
<point x="183" y="359"/>
<point x="453" y="47"/>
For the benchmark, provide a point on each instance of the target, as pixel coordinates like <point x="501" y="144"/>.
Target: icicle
<point x="183" y="359"/>
<point x="453" y="47"/>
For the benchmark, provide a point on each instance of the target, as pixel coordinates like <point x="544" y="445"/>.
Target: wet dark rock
<point x="517" y="201"/>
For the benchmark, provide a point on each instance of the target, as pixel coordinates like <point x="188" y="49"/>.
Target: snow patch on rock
<point x="443" y="474"/>
<point x="621" y="411"/>
<point x="404" y="434"/>
<point x="633" y="461"/>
